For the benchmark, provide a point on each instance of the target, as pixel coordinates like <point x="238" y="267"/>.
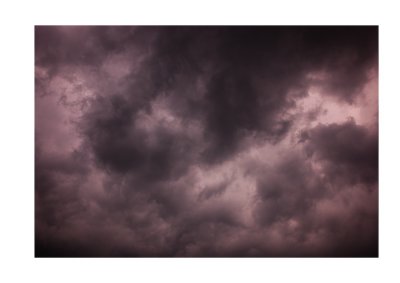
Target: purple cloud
<point x="206" y="141"/>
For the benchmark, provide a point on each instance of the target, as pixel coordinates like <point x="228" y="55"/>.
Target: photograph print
<point x="206" y="141"/>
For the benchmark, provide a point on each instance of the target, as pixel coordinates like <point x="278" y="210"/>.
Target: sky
<point x="197" y="141"/>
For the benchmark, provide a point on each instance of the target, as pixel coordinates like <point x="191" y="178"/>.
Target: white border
<point x="16" y="191"/>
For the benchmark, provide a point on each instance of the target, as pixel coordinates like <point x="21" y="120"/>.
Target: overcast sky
<point x="206" y="141"/>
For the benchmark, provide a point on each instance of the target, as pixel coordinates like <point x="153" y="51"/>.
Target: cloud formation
<point x="206" y="141"/>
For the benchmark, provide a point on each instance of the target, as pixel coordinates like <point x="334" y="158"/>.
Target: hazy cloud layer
<point x="206" y="141"/>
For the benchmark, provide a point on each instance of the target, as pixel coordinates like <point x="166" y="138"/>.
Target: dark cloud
<point x="346" y="54"/>
<point x="287" y="191"/>
<point x="82" y="45"/>
<point x="250" y="71"/>
<point x="213" y="191"/>
<point x="349" y="152"/>
<point x="191" y="141"/>
<point x="302" y="202"/>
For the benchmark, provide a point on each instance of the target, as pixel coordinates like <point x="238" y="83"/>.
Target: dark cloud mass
<point x="206" y="141"/>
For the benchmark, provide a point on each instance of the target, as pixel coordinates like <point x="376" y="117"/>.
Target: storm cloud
<point x="206" y="141"/>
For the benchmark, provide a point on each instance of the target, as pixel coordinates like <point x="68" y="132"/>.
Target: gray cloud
<point x="186" y="141"/>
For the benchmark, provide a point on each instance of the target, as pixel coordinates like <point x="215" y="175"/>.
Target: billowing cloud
<point x="206" y="141"/>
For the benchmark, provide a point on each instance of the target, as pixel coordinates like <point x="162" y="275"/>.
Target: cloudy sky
<point x="206" y="141"/>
